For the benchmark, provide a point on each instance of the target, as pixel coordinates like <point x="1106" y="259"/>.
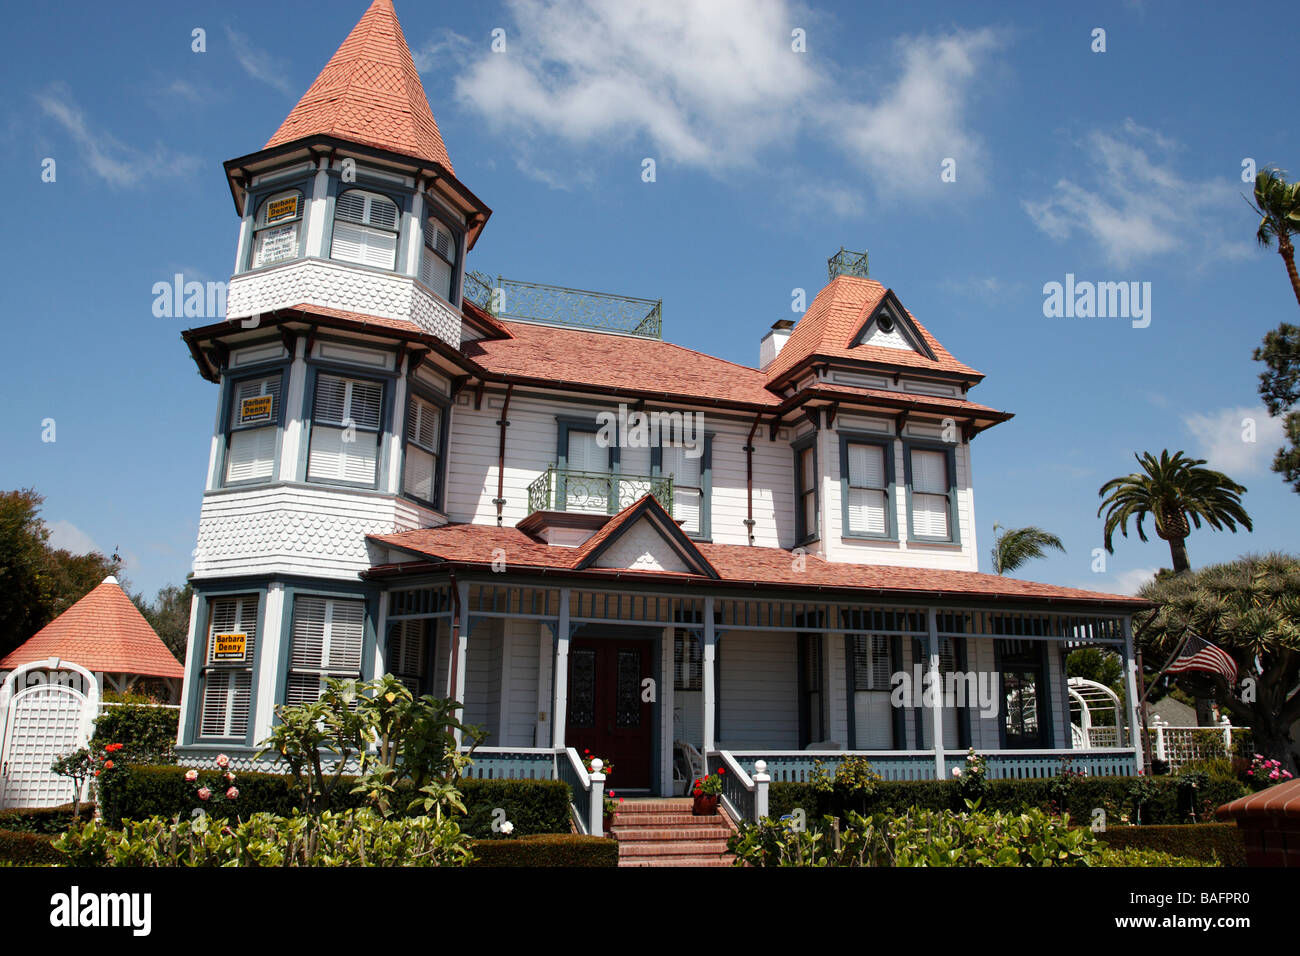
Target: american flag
<point x="1199" y="654"/>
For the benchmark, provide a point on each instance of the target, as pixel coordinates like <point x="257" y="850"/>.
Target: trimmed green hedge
<point x="28" y="849"/>
<point x="42" y="819"/>
<point x="135" y="792"/>
<point x="547" y="849"/>
<point x="146" y="732"/>
<point x="1198" y="841"/>
<point x="1165" y="805"/>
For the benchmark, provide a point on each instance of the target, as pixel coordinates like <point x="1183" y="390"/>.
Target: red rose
<point x="108" y="765"/>
<point x="721" y="771"/>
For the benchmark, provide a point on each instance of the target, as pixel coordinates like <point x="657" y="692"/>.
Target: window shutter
<point x="435" y="274"/>
<point x="226" y="695"/>
<point x="331" y="399"/>
<point x="867" y="511"/>
<point x="866" y="466"/>
<point x="308" y="633"/>
<point x="326" y="641"/>
<point x="406" y="653"/>
<point x="585" y="453"/>
<point x="351" y="206"/>
<point x="929" y="472"/>
<point x="346" y="632"/>
<point x="251" y="455"/>
<point x="684" y="469"/>
<point x="418" y="479"/>
<point x="333" y="459"/>
<point x="365" y="404"/>
<point x="348" y="243"/>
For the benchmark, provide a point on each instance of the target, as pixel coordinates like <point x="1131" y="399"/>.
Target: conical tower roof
<point x="370" y="93"/>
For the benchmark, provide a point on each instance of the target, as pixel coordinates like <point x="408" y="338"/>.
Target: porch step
<point x="664" y="832"/>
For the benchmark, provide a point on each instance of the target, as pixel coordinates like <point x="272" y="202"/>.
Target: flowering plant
<point x="612" y="800"/>
<point x="82" y="765"/>
<point x="1264" y="772"/>
<point x="606" y="768"/>
<point x="709" y="786"/>
<point x="215" y="789"/>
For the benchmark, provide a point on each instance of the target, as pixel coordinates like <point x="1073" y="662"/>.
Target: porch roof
<point x="473" y="546"/>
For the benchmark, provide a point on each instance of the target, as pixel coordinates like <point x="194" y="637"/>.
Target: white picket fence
<point x="1182" y="745"/>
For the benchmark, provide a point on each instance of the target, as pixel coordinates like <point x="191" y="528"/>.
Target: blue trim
<point x="706" y="485"/>
<point x="431" y="210"/>
<point x="229" y="381"/>
<point x="886" y="443"/>
<point x="801" y="534"/>
<point x="194" y="678"/>
<point x="902" y="320"/>
<point x="954" y="525"/>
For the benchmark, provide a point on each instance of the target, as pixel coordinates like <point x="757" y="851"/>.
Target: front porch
<point x="641" y="679"/>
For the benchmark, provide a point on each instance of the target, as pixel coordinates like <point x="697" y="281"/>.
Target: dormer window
<point x="276" y="228"/>
<point x="438" y="266"/>
<point x="365" y="229"/>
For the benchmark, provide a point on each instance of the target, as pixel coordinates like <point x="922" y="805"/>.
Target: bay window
<point x="277" y="228"/>
<point x="438" y="265"/>
<point x="227" y="675"/>
<point x="253" y="427"/>
<point x="422" y="468"/>
<point x="346" y="419"/>
<point x="326" y="640"/>
<point x="365" y="229"/>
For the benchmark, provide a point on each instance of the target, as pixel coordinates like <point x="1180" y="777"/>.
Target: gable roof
<point x="370" y="93"/>
<point x="835" y="318"/>
<point x="648" y="510"/>
<point x="103" y="632"/>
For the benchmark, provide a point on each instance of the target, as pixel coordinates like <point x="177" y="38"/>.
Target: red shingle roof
<point x="104" y="633"/>
<point x="475" y="544"/>
<point x="837" y="315"/>
<point x="370" y="93"/>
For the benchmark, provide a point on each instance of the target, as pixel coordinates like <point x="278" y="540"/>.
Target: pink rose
<point x="223" y="761"/>
<point x="232" y="793"/>
<point x="191" y="776"/>
<point x="230" y="777"/>
<point x="204" y="793"/>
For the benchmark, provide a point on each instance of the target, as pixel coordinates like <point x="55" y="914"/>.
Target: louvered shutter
<point x="406" y="653"/>
<point x="867" y="497"/>
<point x="438" y="263"/>
<point x="871" y="664"/>
<point x="351" y="206"/>
<point x="365" y="229"/>
<point x="345" y="402"/>
<point x="688" y="492"/>
<point x="227" y="689"/>
<point x="326" y="641"/>
<point x="930" y="494"/>
<point x="586" y="455"/>
<point x="250" y="454"/>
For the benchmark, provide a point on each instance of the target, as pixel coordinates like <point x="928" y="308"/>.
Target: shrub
<point x="1207" y="842"/>
<point x="45" y="820"/>
<point x="533" y="806"/>
<point x="919" y="838"/>
<point x="547" y="849"/>
<point x="147" y="732"/>
<point x="28" y="849"/>
<point x="357" y="838"/>
<point x="1133" y="856"/>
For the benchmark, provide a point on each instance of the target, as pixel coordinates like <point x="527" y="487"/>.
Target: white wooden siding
<point x="759" y="691"/>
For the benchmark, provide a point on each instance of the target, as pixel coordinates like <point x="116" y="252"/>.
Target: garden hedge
<point x="28" y="849"/>
<point x="1199" y="841"/>
<point x="51" y="820"/>
<point x="547" y="849"/>
<point x="147" y="733"/>
<point x="1166" y="804"/>
<point x="134" y="792"/>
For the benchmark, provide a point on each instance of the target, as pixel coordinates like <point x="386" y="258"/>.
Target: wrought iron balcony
<point x="595" y="492"/>
<point x="847" y="263"/>
<point x="557" y="305"/>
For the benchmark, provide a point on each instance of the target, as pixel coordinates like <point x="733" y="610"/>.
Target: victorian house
<point x="521" y="496"/>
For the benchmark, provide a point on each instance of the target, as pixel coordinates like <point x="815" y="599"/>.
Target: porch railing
<point x="595" y="492"/>
<point x="739" y="791"/>
<point x="512" y="763"/>
<point x="587" y="791"/>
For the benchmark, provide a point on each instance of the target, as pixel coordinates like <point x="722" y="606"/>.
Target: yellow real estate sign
<point x="229" y="647"/>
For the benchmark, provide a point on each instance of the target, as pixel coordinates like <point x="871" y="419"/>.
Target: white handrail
<point x="735" y="768"/>
<point x="576" y="761"/>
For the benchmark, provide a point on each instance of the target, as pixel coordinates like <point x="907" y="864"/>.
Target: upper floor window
<point x="227" y="676"/>
<point x="326" y="639"/>
<point x="805" y="491"/>
<point x="276" y="228"/>
<point x="365" y="229"/>
<point x="867" y="473"/>
<point x="345" y="430"/>
<point x="933" y="493"/>
<point x="688" y="485"/>
<point x="420" y="478"/>
<point x="253" y="426"/>
<point x="438" y="266"/>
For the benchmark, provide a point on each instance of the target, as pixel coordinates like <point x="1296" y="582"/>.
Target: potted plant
<point x="612" y="800"/>
<point x="706" y="792"/>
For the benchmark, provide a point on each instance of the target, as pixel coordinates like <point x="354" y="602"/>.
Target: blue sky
<point x="1123" y="165"/>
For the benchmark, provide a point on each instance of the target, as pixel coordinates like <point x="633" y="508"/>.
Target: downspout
<point x="500" y="501"/>
<point x="749" y="478"/>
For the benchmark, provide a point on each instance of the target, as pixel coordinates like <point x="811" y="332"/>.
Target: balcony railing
<point x="595" y="492"/>
<point x="557" y="305"/>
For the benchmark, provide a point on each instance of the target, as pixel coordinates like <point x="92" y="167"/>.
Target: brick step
<point x="675" y="848"/>
<point x="676" y="861"/>
<point x="667" y="817"/>
<point x="671" y="835"/>
<point x="660" y="805"/>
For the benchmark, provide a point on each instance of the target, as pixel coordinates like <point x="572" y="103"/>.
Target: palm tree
<point x="1172" y="489"/>
<point x="1278" y="203"/>
<point x="1014" y="546"/>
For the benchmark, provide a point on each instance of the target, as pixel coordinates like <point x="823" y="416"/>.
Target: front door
<point x="607" y="712"/>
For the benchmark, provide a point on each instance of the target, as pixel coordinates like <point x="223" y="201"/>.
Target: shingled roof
<point x="104" y="632"/>
<point x="370" y="93"/>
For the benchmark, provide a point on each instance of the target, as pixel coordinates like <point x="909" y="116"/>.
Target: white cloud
<point x="108" y="157"/>
<point x="714" y="84"/>
<point x="1131" y="581"/>
<point x="66" y="536"/>
<point x="259" y="64"/>
<point x="1138" y="205"/>
<point x="1223" y="439"/>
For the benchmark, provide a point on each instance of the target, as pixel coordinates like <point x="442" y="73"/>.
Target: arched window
<point x="365" y="229"/>
<point x="438" y="266"/>
<point x="276" y="228"/>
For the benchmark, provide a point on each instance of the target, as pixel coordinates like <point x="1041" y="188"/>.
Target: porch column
<point x="1131" y="694"/>
<point x="460" y="650"/>
<point x="710" y="691"/>
<point x="560" y="709"/>
<point x="936" y="705"/>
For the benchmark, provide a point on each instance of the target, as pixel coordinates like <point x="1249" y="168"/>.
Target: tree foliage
<point x="1279" y="386"/>
<point x="1014" y="546"/>
<point x="1249" y="608"/>
<point x="1278" y="205"/>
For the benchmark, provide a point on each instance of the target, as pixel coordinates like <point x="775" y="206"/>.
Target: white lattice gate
<point x="43" y="721"/>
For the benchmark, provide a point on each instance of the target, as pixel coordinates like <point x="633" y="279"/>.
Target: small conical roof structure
<point x="370" y="93"/>
<point x="104" y="632"/>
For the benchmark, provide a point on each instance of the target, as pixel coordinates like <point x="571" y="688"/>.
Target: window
<point x="423" y="431"/>
<point x="688" y="661"/>
<point x="345" y="430"/>
<point x="805" y="475"/>
<point x="228" y="667"/>
<point x="867" y="472"/>
<point x="812" y="696"/>
<point x="871" y="662"/>
<point x="438" y="266"/>
<point x="932" y="493"/>
<point x="365" y="229"/>
<point x="276" y="228"/>
<point x="407" y="650"/>
<point x="325" y="642"/>
<point x="587" y="468"/>
<point x="688" y="485"/>
<point x="253" y="425"/>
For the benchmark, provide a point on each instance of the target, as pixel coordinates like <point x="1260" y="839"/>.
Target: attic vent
<point x="846" y="263"/>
